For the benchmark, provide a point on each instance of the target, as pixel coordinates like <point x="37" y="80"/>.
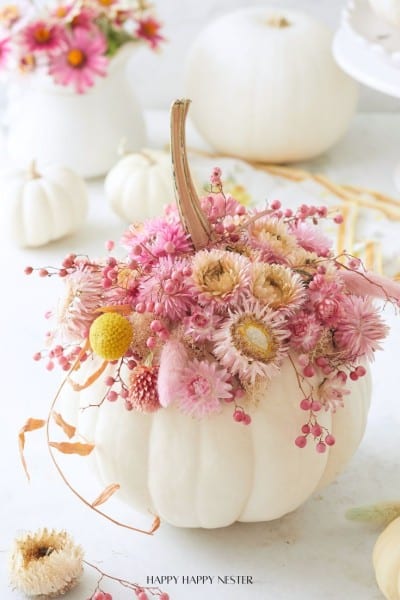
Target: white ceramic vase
<point x="50" y="123"/>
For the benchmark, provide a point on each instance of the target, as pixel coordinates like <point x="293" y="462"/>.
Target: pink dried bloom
<point x="359" y="329"/>
<point x="167" y="287"/>
<point x="124" y="289"/>
<point x="277" y="286"/>
<point x="331" y="392"/>
<point x="148" y="29"/>
<point x="80" y="61"/>
<point x="218" y="206"/>
<point x="146" y="242"/>
<point x="201" y="387"/>
<point x="305" y="331"/>
<point x="220" y="278"/>
<point x="201" y="324"/>
<point x="43" y="36"/>
<point x="143" y="394"/>
<point x="311" y="238"/>
<point x="326" y="297"/>
<point x="273" y="238"/>
<point x="252" y="342"/>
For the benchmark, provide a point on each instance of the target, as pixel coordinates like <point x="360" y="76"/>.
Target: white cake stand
<point x="360" y="51"/>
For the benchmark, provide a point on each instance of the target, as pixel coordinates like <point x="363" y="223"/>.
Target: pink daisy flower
<point x="360" y="329"/>
<point x="42" y="36"/>
<point x="305" y="331"/>
<point x="82" y="58"/>
<point x="252" y="342"/>
<point x="75" y="16"/>
<point x="201" y="324"/>
<point x="148" y="29"/>
<point x="4" y="51"/>
<point x="201" y="387"/>
<point x="311" y="238"/>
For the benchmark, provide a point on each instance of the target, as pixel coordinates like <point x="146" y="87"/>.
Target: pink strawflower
<point x="252" y="342"/>
<point x="326" y="297"/>
<point x="201" y="387"/>
<point x="81" y="60"/>
<point x="311" y="238"/>
<point x="167" y="288"/>
<point x="219" y="206"/>
<point x="4" y="51"/>
<point x="272" y="238"/>
<point x="331" y="392"/>
<point x="43" y="36"/>
<point x="148" y="29"/>
<point x="305" y="331"/>
<point x="156" y="238"/>
<point x="202" y="324"/>
<point x="360" y="329"/>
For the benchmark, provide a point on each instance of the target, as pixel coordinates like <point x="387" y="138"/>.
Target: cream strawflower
<point x="277" y="286"/>
<point x="272" y="238"/>
<point x="46" y="563"/>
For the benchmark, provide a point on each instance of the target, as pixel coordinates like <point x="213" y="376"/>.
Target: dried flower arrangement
<point x="210" y="301"/>
<point x="48" y="563"/>
<point x="74" y="41"/>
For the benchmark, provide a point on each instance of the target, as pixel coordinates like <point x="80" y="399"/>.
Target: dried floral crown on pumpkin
<point x="73" y="41"/>
<point x="223" y="318"/>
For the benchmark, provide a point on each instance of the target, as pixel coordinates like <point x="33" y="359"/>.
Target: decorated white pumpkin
<point x="265" y="86"/>
<point x="389" y="10"/>
<point x="39" y="206"/>
<point x="386" y="559"/>
<point x="139" y="185"/>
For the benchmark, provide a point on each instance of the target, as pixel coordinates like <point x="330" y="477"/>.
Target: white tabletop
<point x="311" y="554"/>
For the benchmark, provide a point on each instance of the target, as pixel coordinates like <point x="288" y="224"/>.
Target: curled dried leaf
<point x="124" y="309"/>
<point x="156" y="524"/>
<point x="72" y="447"/>
<point x="106" y="494"/>
<point x="30" y="425"/>
<point x="68" y="429"/>
<point x="78" y="387"/>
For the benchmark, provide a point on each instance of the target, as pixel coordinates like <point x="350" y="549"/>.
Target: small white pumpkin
<point x="386" y="560"/>
<point x="139" y="185"/>
<point x="38" y="207"/>
<point x="389" y="10"/>
<point x="265" y="86"/>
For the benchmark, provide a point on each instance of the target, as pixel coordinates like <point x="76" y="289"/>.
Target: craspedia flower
<point x="220" y="278"/>
<point x="277" y="286"/>
<point x="110" y="336"/>
<point x="45" y="564"/>
<point x="143" y="393"/>
<point x="252" y="342"/>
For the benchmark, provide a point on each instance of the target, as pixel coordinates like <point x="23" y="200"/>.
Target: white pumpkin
<point x="265" y="86"/>
<point x="386" y="559"/>
<point x="37" y="207"/>
<point x="212" y="472"/>
<point x="389" y="10"/>
<point x="139" y="185"/>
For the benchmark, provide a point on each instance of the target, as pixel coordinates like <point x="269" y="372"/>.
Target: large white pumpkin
<point x="212" y="472"/>
<point x="386" y="560"/>
<point x="389" y="10"/>
<point x="265" y="86"/>
<point x="38" y="207"/>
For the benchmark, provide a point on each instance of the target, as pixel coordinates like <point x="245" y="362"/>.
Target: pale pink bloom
<point x="43" y="36"/>
<point x="311" y="238"/>
<point x="277" y="285"/>
<point x="359" y="329"/>
<point x="305" y="331"/>
<point x="272" y="238"/>
<point x="173" y="360"/>
<point x="146" y="242"/>
<point x="148" y="29"/>
<point x="168" y="288"/>
<point x="201" y="324"/>
<point x="326" y="297"/>
<point x="201" y="386"/>
<point x="76" y="16"/>
<point x="365" y="283"/>
<point x="81" y="60"/>
<point x="252" y="342"/>
<point x="331" y="392"/>
<point x="218" y="206"/>
<point x="4" y="51"/>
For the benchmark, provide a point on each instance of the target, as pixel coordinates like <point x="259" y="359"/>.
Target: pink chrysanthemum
<point x="148" y="29"/>
<point x="220" y="278"/>
<point x="252" y="342"/>
<point x="332" y="391"/>
<point x="201" y="387"/>
<point x="167" y="289"/>
<point x="360" y="329"/>
<point x="42" y="36"/>
<point x="4" y="52"/>
<point x="143" y="393"/>
<point x="82" y="58"/>
<point x="305" y="331"/>
<point x="155" y="239"/>
<point x="311" y="238"/>
<point x="201" y="324"/>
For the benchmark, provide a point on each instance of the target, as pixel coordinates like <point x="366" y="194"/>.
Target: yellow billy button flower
<point x="110" y="335"/>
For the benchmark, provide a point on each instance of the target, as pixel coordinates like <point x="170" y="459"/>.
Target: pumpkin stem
<point x="33" y="173"/>
<point x="191" y="214"/>
<point x="278" y="22"/>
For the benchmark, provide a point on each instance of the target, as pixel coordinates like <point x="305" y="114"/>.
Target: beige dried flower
<point x="45" y="564"/>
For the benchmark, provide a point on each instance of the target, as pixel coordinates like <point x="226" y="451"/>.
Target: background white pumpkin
<point x="212" y="472"/>
<point x="265" y="86"/>
<point x="386" y="559"/>
<point x="37" y="207"/>
<point x="389" y="10"/>
<point x="140" y="184"/>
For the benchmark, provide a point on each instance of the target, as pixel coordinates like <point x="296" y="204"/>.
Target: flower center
<point x="199" y="386"/>
<point x="106" y="2"/>
<point x="218" y="279"/>
<point x="254" y="339"/>
<point x="42" y="35"/>
<point x="61" y="11"/>
<point x="76" y="58"/>
<point x="150" y="28"/>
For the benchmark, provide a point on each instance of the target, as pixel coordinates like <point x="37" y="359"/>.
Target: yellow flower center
<point x="110" y="336"/>
<point x="9" y="14"/>
<point x="106" y="2"/>
<point x="61" y="11"/>
<point x="42" y="35"/>
<point x="254" y="339"/>
<point x="76" y="58"/>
